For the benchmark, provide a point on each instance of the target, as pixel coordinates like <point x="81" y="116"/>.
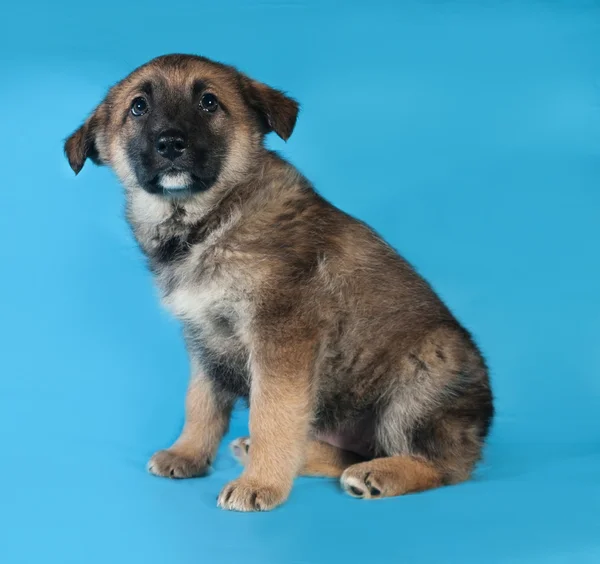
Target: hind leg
<point x="432" y="430"/>
<point x="321" y="459"/>
<point x="388" y="477"/>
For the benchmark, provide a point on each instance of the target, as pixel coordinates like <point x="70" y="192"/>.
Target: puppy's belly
<point x="358" y="437"/>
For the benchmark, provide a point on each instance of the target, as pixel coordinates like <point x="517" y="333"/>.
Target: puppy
<point x="352" y="366"/>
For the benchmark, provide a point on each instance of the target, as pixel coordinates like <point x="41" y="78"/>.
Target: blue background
<point x="467" y="133"/>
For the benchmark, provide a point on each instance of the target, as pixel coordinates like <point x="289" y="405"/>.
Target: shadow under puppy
<point x="351" y="364"/>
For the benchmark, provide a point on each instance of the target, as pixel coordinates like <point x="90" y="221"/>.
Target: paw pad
<point x="360" y="484"/>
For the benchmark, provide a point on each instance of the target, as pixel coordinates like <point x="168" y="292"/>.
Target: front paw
<point x="244" y="494"/>
<point x="173" y="464"/>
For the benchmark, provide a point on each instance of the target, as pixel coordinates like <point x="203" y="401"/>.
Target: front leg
<point x="207" y="416"/>
<point x="280" y="414"/>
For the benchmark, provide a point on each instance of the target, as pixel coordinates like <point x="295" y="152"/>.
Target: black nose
<point x="171" y="144"/>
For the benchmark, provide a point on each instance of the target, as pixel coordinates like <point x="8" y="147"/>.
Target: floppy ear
<point x="81" y="145"/>
<point x="276" y="111"/>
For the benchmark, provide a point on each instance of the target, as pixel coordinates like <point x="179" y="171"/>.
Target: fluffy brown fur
<point x="351" y="364"/>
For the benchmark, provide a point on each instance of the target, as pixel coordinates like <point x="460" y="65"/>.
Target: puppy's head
<point x="180" y="124"/>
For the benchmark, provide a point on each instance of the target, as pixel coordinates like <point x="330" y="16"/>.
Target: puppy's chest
<point x="217" y="302"/>
<point x="195" y="274"/>
<point x="210" y="295"/>
<point x="205" y="284"/>
<point x="216" y="318"/>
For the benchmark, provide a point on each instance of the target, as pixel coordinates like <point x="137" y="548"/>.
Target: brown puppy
<point x="352" y="365"/>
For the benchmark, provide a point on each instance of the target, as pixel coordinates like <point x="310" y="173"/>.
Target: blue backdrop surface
<point x="466" y="133"/>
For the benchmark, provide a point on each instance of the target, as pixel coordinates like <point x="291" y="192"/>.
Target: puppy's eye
<point x="209" y="102"/>
<point x="139" y="106"/>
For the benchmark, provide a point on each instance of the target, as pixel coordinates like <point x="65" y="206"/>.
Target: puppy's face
<point x="180" y="124"/>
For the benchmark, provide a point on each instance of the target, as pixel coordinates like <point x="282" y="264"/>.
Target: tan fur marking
<point x="326" y="460"/>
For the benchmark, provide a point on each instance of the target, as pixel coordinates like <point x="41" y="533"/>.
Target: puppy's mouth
<point x="178" y="183"/>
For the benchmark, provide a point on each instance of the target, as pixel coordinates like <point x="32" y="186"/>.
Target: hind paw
<point x="359" y="482"/>
<point x="240" y="448"/>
